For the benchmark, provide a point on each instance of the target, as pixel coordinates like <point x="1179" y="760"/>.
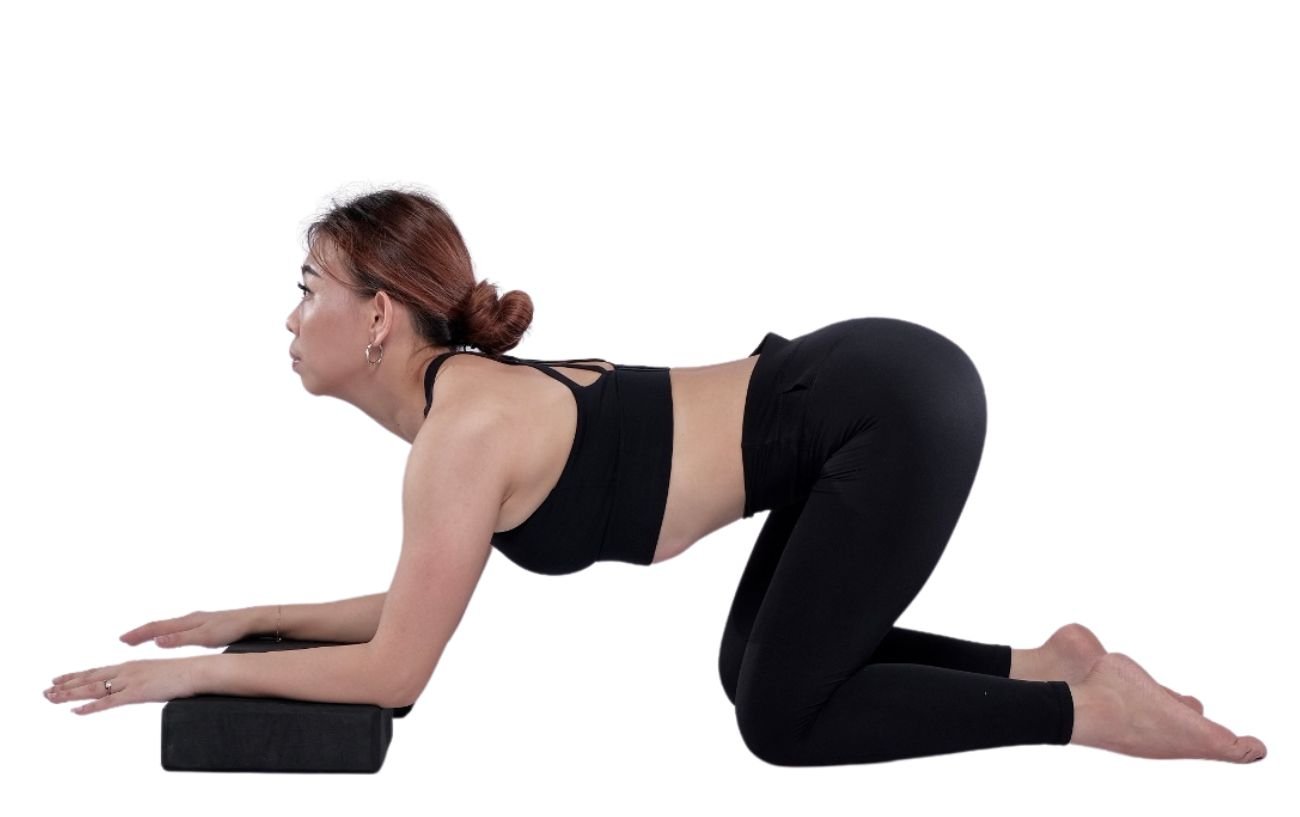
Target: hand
<point x="134" y="682"/>
<point x="200" y="629"/>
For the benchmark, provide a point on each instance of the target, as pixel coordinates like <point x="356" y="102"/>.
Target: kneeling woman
<point x="860" y="439"/>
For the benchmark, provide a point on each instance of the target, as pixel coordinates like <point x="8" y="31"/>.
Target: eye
<point x="304" y="289"/>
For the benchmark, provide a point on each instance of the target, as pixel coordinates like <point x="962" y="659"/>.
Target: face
<point x="328" y="328"/>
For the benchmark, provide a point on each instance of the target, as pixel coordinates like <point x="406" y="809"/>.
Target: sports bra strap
<point x="541" y="365"/>
<point x="571" y="362"/>
<point x="546" y="367"/>
<point x="568" y="365"/>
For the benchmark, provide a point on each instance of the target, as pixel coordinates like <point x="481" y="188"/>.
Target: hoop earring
<point x="381" y="355"/>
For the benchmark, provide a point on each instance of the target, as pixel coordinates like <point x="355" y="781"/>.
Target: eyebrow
<point x="307" y="270"/>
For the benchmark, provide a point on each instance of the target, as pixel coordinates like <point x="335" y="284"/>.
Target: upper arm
<point x="452" y="493"/>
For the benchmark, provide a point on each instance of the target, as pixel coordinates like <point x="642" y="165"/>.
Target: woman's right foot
<point x="1120" y="708"/>
<point x="1072" y="650"/>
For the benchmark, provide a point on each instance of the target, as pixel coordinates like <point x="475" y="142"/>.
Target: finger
<point x="63" y="695"/>
<point x="83" y="680"/>
<point x="179" y="637"/>
<point x="76" y="691"/>
<point x="155" y="628"/>
<point x="106" y="701"/>
<point x="75" y="677"/>
<point x="171" y="639"/>
<point x="144" y="632"/>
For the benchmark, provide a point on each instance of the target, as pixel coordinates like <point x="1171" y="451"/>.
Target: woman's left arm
<point x="346" y="674"/>
<point x="456" y="481"/>
<point x="342" y="674"/>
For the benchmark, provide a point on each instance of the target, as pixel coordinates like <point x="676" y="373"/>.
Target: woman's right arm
<point x="352" y="621"/>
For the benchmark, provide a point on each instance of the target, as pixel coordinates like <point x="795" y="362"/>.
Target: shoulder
<point x="467" y="440"/>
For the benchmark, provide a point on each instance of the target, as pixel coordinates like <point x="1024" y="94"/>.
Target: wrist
<point x="263" y="620"/>
<point x="201" y="673"/>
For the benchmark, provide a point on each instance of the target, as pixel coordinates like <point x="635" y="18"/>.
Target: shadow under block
<point x="228" y="733"/>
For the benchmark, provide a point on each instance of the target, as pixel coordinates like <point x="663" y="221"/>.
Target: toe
<point x="1246" y="749"/>
<point x="1186" y="699"/>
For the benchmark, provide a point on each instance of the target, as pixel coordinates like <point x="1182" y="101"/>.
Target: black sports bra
<point x="609" y="502"/>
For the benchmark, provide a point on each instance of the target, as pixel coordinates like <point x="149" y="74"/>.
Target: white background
<point x="1097" y="201"/>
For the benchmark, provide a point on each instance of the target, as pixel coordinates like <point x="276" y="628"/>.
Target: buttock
<point x="809" y="395"/>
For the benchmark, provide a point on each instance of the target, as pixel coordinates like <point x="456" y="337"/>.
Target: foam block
<point x="228" y="733"/>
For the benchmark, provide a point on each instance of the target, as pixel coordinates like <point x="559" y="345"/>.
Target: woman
<point x="861" y="439"/>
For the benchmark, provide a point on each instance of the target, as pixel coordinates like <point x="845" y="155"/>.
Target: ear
<point x="387" y="311"/>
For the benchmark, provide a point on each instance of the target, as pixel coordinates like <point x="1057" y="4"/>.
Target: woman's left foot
<point x="1070" y="653"/>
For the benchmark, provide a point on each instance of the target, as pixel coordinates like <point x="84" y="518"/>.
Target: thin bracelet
<point x="277" y="621"/>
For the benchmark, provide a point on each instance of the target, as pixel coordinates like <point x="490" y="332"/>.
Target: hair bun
<point x="404" y="242"/>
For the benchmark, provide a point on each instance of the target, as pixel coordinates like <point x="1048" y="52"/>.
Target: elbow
<point x="395" y="696"/>
<point x="400" y="695"/>
<point x="394" y="700"/>
<point x="398" y="701"/>
<point x="399" y="683"/>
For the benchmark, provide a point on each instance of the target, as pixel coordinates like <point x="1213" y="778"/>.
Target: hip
<point x="810" y="394"/>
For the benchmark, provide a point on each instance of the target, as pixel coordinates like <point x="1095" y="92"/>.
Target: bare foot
<point x="1120" y="708"/>
<point x="1072" y="650"/>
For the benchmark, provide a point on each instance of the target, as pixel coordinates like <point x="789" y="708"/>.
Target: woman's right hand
<point x="199" y="629"/>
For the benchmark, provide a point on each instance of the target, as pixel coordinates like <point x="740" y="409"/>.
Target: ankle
<point x="1027" y="665"/>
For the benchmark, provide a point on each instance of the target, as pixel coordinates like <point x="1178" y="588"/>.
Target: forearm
<point x="342" y="674"/>
<point x="351" y="621"/>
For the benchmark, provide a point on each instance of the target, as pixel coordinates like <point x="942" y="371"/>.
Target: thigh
<point x="907" y="438"/>
<point x="751" y="589"/>
<point x="871" y="531"/>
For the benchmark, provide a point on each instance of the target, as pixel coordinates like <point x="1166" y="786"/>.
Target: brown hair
<point x="406" y="244"/>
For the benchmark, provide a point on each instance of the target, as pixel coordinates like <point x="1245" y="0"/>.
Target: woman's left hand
<point x="135" y="682"/>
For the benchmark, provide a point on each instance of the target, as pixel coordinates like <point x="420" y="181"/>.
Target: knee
<point x="761" y="746"/>
<point x="728" y="680"/>
<point x="730" y="654"/>
<point x="764" y="738"/>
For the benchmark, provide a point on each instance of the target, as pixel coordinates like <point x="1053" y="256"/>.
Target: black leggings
<point x="862" y="439"/>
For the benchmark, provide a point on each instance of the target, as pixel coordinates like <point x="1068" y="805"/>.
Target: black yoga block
<point x="229" y="733"/>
